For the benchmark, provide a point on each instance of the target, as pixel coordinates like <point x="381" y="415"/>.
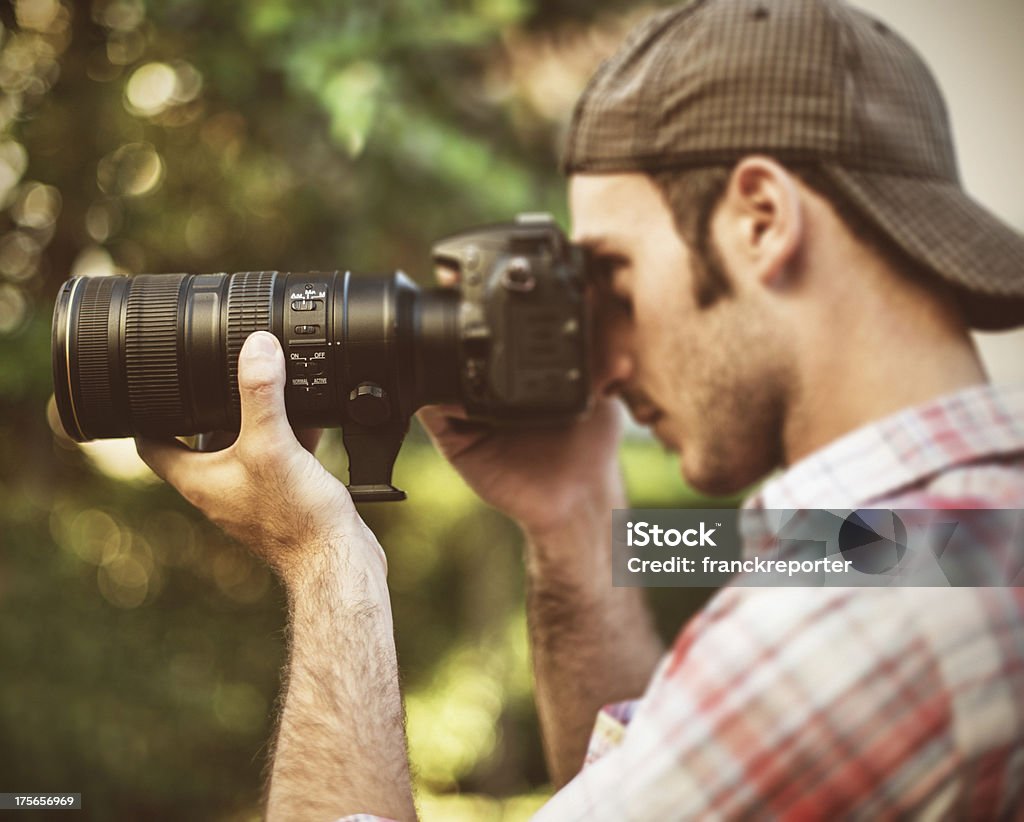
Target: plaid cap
<point x="808" y="82"/>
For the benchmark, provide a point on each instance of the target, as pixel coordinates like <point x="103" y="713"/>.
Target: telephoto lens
<point x="157" y="354"/>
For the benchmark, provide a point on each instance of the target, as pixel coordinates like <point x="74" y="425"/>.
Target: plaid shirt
<point x="874" y="703"/>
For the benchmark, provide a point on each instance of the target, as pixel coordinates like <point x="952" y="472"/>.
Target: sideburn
<point x="710" y="280"/>
<point x="692" y="194"/>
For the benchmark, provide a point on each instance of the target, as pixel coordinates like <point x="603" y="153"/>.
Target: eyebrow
<point x="602" y="255"/>
<point x="592" y="242"/>
<point x="602" y="247"/>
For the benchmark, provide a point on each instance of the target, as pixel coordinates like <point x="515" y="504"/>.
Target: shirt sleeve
<point x="805" y="703"/>
<point x="790" y="703"/>
<point x="609" y="730"/>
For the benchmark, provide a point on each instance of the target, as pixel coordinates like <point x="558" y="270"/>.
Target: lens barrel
<point x="157" y="354"/>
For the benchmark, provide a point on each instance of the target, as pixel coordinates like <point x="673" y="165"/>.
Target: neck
<point x="885" y="354"/>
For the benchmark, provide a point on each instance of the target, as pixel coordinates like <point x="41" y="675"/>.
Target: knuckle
<point x="259" y="381"/>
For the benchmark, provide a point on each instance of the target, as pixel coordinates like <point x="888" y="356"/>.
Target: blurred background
<point x="140" y="651"/>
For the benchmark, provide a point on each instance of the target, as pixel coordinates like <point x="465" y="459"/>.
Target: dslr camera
<point x="157" y="354"/>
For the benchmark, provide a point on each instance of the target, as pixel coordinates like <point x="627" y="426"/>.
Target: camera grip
<point x="372" y="450"/>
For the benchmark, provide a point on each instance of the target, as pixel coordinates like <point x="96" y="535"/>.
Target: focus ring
<point x="249" y="298"/>
<point x="95" y="406"/>
<point x="151" y="353"/>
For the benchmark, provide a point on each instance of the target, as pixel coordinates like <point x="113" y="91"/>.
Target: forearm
<point x="592" y="643"/>
<point x="341" y="744"/>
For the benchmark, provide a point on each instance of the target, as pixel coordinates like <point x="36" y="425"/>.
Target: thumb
<point x="261" y="376"/>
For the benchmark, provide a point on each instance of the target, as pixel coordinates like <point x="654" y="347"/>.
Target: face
<point x="709" y="381"/>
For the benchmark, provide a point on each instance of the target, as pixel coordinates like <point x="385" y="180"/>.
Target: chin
<point x="714" y="486"/>
<point x="713" y="480"/>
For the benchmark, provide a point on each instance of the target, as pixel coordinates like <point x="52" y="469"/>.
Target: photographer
<point x="788" y="269"/>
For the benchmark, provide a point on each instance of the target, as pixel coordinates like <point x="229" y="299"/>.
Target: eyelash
<point x="604" y="270"/>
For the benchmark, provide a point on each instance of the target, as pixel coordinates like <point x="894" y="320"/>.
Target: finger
<point x="170" y="459"/>
<point x="447" y="277"/>
<point x="449" y="423"/>
<point x="440" y="413"/>
<point x="261" y="376"/>
<point x="216" y="440"/>
<point x="309" y="438"/>
<point x="437" y="419"/>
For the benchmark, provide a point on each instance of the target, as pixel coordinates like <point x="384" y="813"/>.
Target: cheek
<point x="665" y="333"/>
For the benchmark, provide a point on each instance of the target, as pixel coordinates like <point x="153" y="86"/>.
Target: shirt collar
<point x="902" y="450"/>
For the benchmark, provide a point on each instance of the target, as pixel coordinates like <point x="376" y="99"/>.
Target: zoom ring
<point x="92" y="357"/>
<point x="249" y="298"/>
<point x="151" y="353"/>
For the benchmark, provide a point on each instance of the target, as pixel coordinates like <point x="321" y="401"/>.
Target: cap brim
<point x="938" y="225"/>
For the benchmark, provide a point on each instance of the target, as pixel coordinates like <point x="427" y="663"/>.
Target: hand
<point x="266" y="488"/>
<point x="541" y="476"/>
<point x="270" y="492"/>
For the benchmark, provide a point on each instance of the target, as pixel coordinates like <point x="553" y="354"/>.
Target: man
<point x="789" y="272"/>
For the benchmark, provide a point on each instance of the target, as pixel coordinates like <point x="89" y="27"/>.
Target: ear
<point x="763" y="215"/>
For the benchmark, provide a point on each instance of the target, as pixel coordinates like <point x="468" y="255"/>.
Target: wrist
<point x="578" y="542"/>
<point x="347" y="568"/>
<point x="566" y="511"/>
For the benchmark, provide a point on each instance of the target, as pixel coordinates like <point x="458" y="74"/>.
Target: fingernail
<point x="260" y="345"/>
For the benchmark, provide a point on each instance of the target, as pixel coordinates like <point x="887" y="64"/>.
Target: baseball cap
<point x="807" y="82"/>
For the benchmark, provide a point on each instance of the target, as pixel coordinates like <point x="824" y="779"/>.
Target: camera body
<point x="523" y="322"/>
<point x="157" y="355"/>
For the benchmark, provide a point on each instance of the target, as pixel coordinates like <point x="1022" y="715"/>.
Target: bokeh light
<point x="133" y="170"/>
<point x="123" y="581"/>
<point x="104" y="219"/>
<point x="239" y="707"/>
<point x="13" y="160"/>
<point x="93" y="535"/>
<point x="37" y="206"/>
<point x="36" y="14"/>
<point x="93" y="261"/>
<point x="151" y="88"/>
<point x="125" y="47"/>
<point x="156" y="87"/>
<point x="19" y="255"/>
<point x="451" y="724"/>
<point x="13" y="308"/>
<point x="119" y="15"/>
<point x="119" y="460"/>
<point x="175" y="537"/>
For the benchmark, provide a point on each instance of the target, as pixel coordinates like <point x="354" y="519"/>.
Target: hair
<point x="693" y="194"/>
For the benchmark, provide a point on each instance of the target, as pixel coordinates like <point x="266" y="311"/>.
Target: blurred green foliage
<point x="140" y="651"/>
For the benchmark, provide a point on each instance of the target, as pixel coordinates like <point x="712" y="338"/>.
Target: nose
<point x="613" y="373"/>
